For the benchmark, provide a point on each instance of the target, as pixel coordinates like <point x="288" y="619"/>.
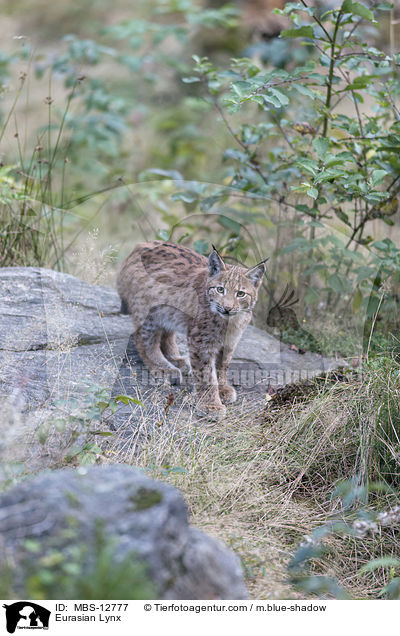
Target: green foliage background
<point x="292" y="155"/>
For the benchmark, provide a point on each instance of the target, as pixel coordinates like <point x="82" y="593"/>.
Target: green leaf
<point x="32" y="545"/>
<point x="313" y="193"/>
<point x="365" y="272"/>
<point x="243" y="88"/>
<point x="73" y="451"/>
<point x="272" y="99"/>
<point x="102" y="405"/>
<point x="342" y="216"/>
<point x="208" y="202"/>
<point x="357" y="300"/>
<point x="283" y="99"/>
<point x="392" y="590"/>
<point x="372" y="306"/>
<point x="346" y="6"/>
<point x="311" y="296"/>
<point x="309" y="165"/>
<point x="304" y="90"/>
<point x="126" y="399"/>
<point x="336" y="283"/>
<point x="238" y="155"/>
<point x="304" y="554"/>
<point x="303" y="208"/>
<point x="384" y="6"/>
<point x="168" y="174"/>
<point x="304" y="31"/>
<point x="187" y="197"/>
<point x="230" y="224"/>
<point x="163" y="235"/>
<point x="292" y="247"/>
<point x="377" y="176"/>
<point x="359" y="9"/>
<point x="382" y="562"/>
<point x="258" y="99"/>
<point x="321" y="145"/>
<point x="191" y="80"/>
<point x="381" y="245"/>
<point x="201" y="246"/>
<point x="328" y="175"/>
<point x="360" y="82"/>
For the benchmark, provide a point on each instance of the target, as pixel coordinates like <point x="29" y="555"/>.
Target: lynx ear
<point x="255" y="274"/>
<point x="215" y="263"/>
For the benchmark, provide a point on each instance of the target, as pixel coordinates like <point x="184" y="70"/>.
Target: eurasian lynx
<point x="169" y="288"/>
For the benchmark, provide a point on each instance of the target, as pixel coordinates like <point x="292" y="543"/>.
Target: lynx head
<point x="232" y="289"/>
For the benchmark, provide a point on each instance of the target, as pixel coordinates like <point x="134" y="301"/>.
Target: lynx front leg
<point x="224" y="357"/>
<point x="206" y="382"/>
<point x="226" y="391"/>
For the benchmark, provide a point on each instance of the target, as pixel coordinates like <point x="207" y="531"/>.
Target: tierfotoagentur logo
<point x="26" y="615"/>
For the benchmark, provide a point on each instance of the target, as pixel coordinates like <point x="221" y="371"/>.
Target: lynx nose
<point x="228" y="309"/>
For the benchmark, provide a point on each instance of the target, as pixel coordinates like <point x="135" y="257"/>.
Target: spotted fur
<point x="169" y="288"/>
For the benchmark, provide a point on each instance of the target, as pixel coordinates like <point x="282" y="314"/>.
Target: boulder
<point x="62" y="341"/>
<point x="145" y="520"/>
<point x="60" y="335"/>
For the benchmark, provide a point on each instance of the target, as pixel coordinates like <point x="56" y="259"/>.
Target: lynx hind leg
<point x="148" y="341"/>
<point x="170" y="350"/>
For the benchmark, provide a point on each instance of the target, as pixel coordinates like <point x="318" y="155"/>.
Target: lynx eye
<point x="240" y="294"/>
<point x="220" y="290"/>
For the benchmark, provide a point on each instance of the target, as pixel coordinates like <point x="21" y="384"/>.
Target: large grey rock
<point x="140" y="515"/>
<point x="59" y="336"/>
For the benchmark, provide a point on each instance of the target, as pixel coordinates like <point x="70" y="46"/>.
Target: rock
<point x="57" y="335"/>
<point x="140" y="515"/>
<point x="60" y="338"/>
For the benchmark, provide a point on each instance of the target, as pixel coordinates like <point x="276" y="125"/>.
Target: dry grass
<point x="222" y="470"/>
<point x="262" y="480"/>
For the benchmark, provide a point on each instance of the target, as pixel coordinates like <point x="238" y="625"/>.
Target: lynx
<point x="169" y="288"/>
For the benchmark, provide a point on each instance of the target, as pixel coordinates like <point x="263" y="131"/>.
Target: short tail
<point x="124" y="307"/>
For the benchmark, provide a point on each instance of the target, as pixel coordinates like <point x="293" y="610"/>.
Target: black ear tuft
<point x="215" y="263"/>
<point x="256" y="273"/>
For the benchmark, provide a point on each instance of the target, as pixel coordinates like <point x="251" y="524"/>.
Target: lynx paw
<point x="160" y="375"/>
<point x="227" y="393"/>
<point x="214" y="411"/>
<point x="183" y="364"/>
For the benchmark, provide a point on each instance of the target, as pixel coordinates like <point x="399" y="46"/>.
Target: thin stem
<point x="61" y="128"/>
<point x="318" y="21"/>
<point x="236" y="137"/>
<point x="12" y="109"/>
<point x="242" y="144"/>
<point x="373" y="325"/>
<point x="330" y="74"/>
<point x="277" y="122"/>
